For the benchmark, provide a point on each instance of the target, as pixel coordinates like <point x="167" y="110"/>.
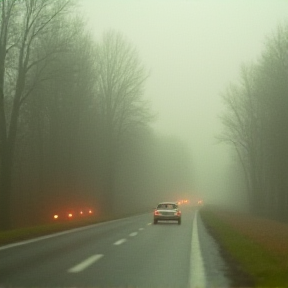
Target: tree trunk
<point x="6" y="188"/>
<point x="7" y="158"/>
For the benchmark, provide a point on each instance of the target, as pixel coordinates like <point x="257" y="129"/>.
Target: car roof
<point x="167" y="203"/>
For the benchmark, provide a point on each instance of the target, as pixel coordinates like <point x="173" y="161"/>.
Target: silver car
<point x="167" y="211"/>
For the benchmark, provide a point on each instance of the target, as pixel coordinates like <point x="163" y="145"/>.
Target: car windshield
<point x="143" y="143"/>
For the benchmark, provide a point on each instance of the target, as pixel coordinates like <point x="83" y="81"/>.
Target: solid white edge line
<point x="86" y="263"/>
<point x="133" y="234"/>
<point x="48" y="236"/>
<point x="197" y="272"/>
<point x="61" y="233"/>
<point x="119" y="242"/>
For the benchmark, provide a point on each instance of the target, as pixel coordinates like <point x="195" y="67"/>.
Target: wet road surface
<point x="130" y="252"/>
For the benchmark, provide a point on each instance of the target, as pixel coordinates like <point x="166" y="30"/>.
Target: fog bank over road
<point x="193" y="49"/>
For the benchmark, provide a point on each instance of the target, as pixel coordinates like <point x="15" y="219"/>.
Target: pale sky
<point x="193" y="49"/>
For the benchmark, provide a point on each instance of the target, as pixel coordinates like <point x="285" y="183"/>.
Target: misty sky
<point x="193" y="49"/>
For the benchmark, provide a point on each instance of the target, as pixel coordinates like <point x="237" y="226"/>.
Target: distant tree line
<point x="74" y="124"/>
<point x="256" y="125"/>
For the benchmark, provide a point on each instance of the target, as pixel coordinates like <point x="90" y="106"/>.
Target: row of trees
<point x="74" y="124"/>
<point x="256" y="124"/>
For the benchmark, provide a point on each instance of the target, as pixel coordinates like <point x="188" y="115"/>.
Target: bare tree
<point x="121" y="108"/>
<point x="273" y="90"/>
<point x="242" y="123"/>
<point x="34" y="18"/>
<point x="256" y="125"/>
<point x="50" y="143"/>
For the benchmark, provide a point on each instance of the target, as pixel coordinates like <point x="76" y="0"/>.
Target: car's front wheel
<point x="179" y="222"/>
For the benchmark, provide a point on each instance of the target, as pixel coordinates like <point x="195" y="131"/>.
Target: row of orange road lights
<point x="71" y="215"/>
<point x="183" y="202"/>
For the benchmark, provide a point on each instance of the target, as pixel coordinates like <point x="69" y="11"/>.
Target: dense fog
<point x="118" y="105"/>
<point x="194" y="50"/>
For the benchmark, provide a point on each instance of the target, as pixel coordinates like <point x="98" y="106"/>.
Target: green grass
<point x="12" y="236"/>
<point x="16" y="235"/>
<point x="264" y="268"/>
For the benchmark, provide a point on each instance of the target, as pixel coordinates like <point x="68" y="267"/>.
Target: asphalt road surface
<point x="130" y="252"/>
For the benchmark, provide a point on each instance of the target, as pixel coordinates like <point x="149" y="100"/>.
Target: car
<point x="167" y="211"/>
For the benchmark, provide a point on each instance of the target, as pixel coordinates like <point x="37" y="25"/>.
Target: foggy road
<point x="130" y="252"/>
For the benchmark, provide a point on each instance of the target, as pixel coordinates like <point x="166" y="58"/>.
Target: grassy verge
<point x="13" y="236"/>
<point x="251" y="246"/>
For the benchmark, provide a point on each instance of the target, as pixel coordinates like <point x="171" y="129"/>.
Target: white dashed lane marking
<point x="119" y="242"/>
<point x="86" y="263"/>
<point x="133" y="234"/>
<point x="141" y="229"/>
